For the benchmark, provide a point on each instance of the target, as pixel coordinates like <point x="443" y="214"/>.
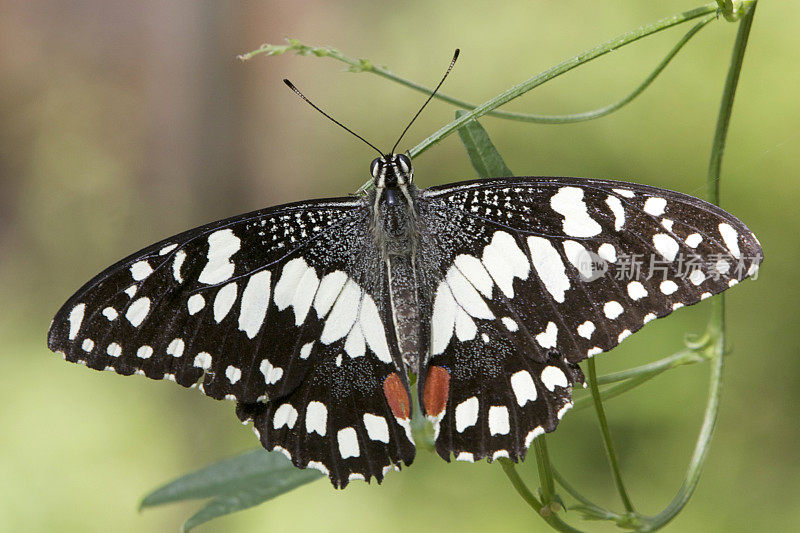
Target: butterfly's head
<point x="392" y="170"/>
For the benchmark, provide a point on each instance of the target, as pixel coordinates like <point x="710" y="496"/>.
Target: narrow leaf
<point x="254" y="494"/>
<point x="265" y="474"/>
<point x="481" y="151"/>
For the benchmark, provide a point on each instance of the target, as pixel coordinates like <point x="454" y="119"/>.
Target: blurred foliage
<point x="121" y="124"/>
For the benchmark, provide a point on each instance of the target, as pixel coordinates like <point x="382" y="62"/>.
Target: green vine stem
<point x="563" y="67"/>
<point x="607" y="442"/>
<point x="522" y="489"/>
<point x="364" y="65"/>
<point x="716" y="327"/>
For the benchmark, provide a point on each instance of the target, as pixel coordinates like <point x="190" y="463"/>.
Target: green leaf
<point x="481" y="151"/>
<point x="234" y="484"/>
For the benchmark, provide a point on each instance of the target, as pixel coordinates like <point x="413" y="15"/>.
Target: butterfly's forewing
<point x="540" y="273"/>
<point x="278" y="309"/>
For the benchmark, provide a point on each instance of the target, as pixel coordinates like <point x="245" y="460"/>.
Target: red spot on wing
<point x="437" y="390"/>
<point x="397" y="396"/>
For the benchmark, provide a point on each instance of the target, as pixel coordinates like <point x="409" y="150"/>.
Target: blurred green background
<point x="125" y="122"/>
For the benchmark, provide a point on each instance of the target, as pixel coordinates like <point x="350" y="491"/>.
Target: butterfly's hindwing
<point x="532" y="278"/>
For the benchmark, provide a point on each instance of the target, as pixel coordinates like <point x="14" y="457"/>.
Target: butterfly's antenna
<point x="453" y="62"/>
<point x="309" y="102"/>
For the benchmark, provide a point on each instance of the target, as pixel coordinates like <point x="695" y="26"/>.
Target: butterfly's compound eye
<point x="404" y="165"/>
<point x="374" y="168"/>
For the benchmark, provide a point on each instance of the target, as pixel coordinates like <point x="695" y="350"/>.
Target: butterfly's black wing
<point x="537" y="274"/>
<point x="280" y="310"/>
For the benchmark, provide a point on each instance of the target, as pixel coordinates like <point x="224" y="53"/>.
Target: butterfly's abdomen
<point x="405" y="301"/>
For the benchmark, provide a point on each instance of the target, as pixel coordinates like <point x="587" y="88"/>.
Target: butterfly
<point x="312" y="316"/>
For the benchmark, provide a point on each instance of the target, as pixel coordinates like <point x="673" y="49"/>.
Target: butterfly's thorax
<point x="396" y="234"/>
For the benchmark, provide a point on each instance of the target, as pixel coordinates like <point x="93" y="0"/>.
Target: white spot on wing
<point x="548" y="338"/>
<point x="75" y="320"/>
<point x="693" y="240"/>
<point x="114" y="350"/>
<point x="222" y="244"/>
<point x="697" y="277"/>
<point x="498" y="454"/>
<point x="316" y="419"/>
<point x="177" y="263"/>
<point x="354" y="345"/>
<point x="466" y="329"/>
<point x="224" y="300"/>
<point x="553" y="376"/>
<point x="377" y="428"/>
<point x="568" y="202"/>
<point x="498" y="420"/>
<point x="202" y="360"/>
<point x="305" y="351"/>
<point x="666" y="246"/>
<point x="271" y="373"/>
<point x="344" y="313"/>
<point x="144" y="352"/>
<point x="648" y="318"/>
<point x="137" y="311"/>
<point x="373" y="330"/>
<point x="175" y="348"/>
<point x="504" y="261"/>
<point x="88" y="345"/>
<point x="443" y="319"/>
<point x="233" y="374"/>
<point x="316" y="465"/>
<point x="466" y="457"/>
<point x="624" y="335"/>
<point x="466" y="295"/>
<point x="580" y="258"/>
<point x="254" y="304"/>
<point x="329" y="288"/>
<point x="668" y="287"/>
<point x="655" y="206"/>
<point x="510" y="323"/>
<point x="348" y="443"/>
<point x="586" y="329"/>
<point x="472" y="269"/>
<point x="607" y="252"/>
<point x="549" y="267"/>
<point x="538" y="430"/>
<point x="167" y="249"/>
<point x="296" y="287"/>
<point x="285" y="415"/>
<point x="615" y="205"/>
<point x="627" y="193"/>
<point x="612" y="309"/>
<point x="636" y="290"/>
<point x="140" y="270"/>
<point x="195" y="304"/>
<point x="466" y="414"/>
<point x="731" y="239"/>
<point x="110" y="313"/>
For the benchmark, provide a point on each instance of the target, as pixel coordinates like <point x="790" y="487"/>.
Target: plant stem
<point x="545" y="474"/>
<point x="555" y="522"/>
<point x="717" y="323"/>
<point x="363" y="65"/>
<point x="609" y="445"/>
<point x="561" y="68"/>
<point x="677" y="359"/>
